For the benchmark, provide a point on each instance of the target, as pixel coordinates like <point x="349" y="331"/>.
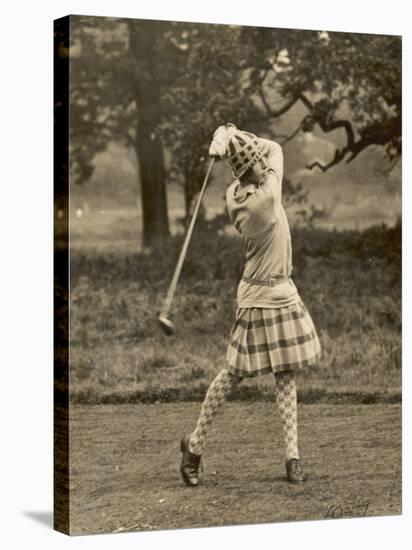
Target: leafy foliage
<point x="102" y="107"/>
<point x="345" y="81"/>
<point x="207" y="74"/>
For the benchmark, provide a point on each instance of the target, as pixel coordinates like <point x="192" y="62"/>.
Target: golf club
<point x="165" y="323"/>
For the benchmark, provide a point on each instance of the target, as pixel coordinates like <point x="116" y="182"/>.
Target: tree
<point x="209" y="90"/>
<point x="115" y="79"/>
<point x="346" y="81"/>
<point x="253" y="76"/>
<point x="145" y="83"/>
<point x="156" y="85"/>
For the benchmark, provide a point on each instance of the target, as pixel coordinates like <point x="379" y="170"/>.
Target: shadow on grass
<point x="197" y="394"/>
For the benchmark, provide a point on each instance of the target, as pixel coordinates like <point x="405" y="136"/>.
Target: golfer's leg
<point x="216" y="395"/>
<point x="286" y="399"/>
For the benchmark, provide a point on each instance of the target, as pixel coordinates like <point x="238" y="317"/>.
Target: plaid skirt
<point x="264" y="340"/>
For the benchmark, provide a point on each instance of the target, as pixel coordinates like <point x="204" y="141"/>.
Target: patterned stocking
<point x="286" y="399"/>
<point x="216" y="395"/>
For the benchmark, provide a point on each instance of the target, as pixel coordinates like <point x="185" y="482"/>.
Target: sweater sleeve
<point x="274" y="157"/>
<point x="274" y="173"/>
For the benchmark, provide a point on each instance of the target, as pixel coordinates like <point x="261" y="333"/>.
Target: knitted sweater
<point x="257" y="213"/>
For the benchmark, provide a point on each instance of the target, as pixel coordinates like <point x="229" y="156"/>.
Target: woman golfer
<point x="273" y="332"/>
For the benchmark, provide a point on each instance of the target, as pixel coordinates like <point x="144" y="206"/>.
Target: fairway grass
<point x="125" y="466"/>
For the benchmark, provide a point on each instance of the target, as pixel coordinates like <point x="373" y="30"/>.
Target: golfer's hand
<point x="218" y="146"/>
<point x="216" y="150"/>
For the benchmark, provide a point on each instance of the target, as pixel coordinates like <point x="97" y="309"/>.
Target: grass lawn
<point x="133" y="390"/>
<point x="125" y="466"/>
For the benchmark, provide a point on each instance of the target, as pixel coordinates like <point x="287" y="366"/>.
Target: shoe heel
<point x="182" y="446"/>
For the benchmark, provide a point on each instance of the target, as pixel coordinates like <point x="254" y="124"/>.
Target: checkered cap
<point x="244" y="149"/>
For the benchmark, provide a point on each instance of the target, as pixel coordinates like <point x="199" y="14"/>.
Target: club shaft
<point x="179" y="265"/>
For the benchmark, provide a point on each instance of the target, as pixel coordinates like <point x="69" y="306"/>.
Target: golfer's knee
<point x="234" y="378"/>
<point x="284" y="377"/>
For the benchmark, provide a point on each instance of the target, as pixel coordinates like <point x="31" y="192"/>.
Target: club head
<point x="166" y="325"/>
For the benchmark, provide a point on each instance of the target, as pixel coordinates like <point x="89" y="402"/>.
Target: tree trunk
<point x="188" y="194"/>
<point x="152" y="185"/>
<point x="148" y="147"/>
<point x="192" y="187"/>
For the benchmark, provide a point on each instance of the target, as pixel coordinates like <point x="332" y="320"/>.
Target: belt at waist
<point x="273" y="281"/>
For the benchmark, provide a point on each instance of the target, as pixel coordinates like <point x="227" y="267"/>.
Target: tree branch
<point x="339" y="155"/>
<point x="282" y="110"/>
<point x="292" y="135"/>
<point x="273" y="113"/>
<point x="353" y="149"/>
<point x="330" y="125"/>
<point x="262" y="93"/>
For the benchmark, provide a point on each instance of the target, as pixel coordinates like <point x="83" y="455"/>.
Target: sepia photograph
<point x="227" y="275"/>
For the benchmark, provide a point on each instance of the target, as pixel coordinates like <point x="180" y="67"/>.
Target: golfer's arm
<point x="274" y="160"/>
<point x="274" y="157"/>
